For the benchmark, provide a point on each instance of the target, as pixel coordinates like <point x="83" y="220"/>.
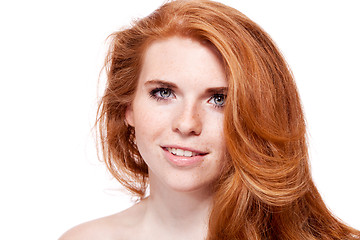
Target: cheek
<point x="216" y="134"/>
<point x="150" y="129"/>
<point x="216" y="126"/>
<point x="149" y="123"/>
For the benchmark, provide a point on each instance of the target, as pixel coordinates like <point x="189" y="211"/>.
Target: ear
<point x="129" y="115"/>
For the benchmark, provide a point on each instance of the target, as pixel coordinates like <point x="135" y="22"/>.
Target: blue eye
<point x="161" y="93"/>
<point x="165" y="93"/>
<point x="218" y="100"/>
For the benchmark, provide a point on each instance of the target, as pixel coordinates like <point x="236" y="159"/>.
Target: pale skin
<point x="178" y="104"/>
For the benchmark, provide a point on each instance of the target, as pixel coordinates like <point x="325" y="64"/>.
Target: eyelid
<point x="155" y="91"/>
<point x="213" y="96"/>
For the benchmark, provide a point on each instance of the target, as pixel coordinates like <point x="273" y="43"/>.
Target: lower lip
<point x="182" y="161"/>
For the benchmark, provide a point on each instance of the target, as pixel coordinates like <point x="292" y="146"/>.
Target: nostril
<point x="188" y="123"/>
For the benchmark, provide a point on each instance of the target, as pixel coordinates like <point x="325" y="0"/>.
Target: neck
<point x="184" y="213"/>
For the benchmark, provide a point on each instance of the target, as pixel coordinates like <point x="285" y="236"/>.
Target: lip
<point x="185" y="149"/>
<point x="182" y="161"/>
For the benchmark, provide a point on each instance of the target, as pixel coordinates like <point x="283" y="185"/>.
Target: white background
<point x="51" y="53"/>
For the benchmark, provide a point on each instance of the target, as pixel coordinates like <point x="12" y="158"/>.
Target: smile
<point x="182" y="152"/>
<point x="184" y="157"/>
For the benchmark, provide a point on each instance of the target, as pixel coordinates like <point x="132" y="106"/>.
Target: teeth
<point x="188" y="153"/>
<point x="180" y="152"/>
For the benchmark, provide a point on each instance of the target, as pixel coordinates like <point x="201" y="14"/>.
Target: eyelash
<point x="156" y="94"/>
<point x="216" y="95"/>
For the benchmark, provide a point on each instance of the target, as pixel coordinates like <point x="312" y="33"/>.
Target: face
<point x="178" y="112"/>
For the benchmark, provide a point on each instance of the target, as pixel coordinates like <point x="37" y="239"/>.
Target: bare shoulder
<point x="122" y="225"/>
<point x="95" y="229"/>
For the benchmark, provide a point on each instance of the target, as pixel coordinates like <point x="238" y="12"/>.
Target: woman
<point x="201" y="109"/>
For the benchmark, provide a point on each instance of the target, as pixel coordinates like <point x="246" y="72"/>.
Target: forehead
<point x="178" y="57"/>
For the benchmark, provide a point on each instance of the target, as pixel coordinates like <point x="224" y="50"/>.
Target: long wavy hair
<point x="266" y="190"/>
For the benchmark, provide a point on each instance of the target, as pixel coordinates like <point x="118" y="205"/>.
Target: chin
<point x="191" y="185"/>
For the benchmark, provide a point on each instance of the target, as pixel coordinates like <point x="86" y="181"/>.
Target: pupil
<point x="164" y="93"/>
<point x="219" y="100"/>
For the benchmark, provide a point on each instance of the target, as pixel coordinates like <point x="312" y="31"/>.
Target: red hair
<point x="266" y="190"/>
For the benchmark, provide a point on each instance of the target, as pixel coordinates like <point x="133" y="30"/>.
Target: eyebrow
<point x="222" y="90"/>
<point x="162" y="83"/>
<point x="171" y="85"/>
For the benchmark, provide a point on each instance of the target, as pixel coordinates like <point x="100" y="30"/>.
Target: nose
<point x="187" y="121"/>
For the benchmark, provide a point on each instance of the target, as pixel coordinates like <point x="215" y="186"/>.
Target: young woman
<point x="201" y="109"/>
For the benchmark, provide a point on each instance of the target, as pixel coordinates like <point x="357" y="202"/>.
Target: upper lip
<point x="185" y="149"/>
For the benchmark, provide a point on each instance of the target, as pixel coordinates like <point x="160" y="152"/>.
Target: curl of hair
<point x="266" y="190"/>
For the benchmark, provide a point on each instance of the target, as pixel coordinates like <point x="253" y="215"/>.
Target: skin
<point x="179" y="104"/>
